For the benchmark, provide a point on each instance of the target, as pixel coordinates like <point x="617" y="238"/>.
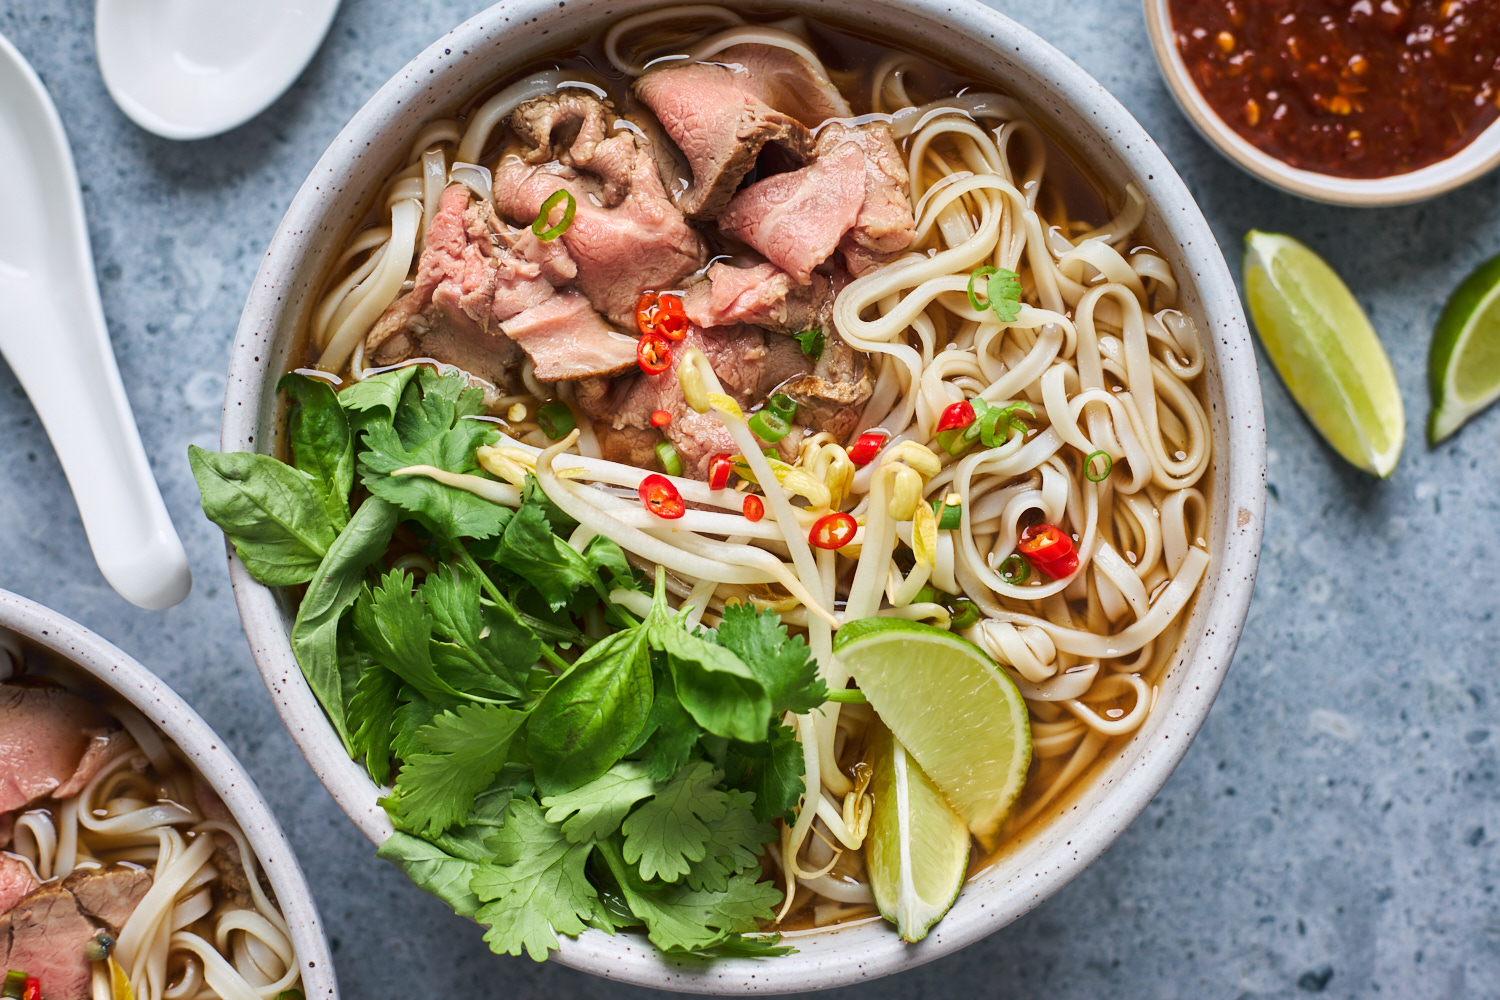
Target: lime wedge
<point x="1463" y="369"/>
<point x="950" y="707"/>
<point x="1325" y="350"/>
<point x="917" y="851"/>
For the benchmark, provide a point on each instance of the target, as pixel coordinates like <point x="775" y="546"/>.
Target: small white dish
<point x="112" y="668"/>
<point x="189" y="69"/>
<point x="1474" y="160"/>
<point x="53" y="334"/>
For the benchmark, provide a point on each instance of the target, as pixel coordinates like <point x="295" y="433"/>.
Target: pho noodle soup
<point x="122" y="874"/>
<point x="805" y="330"/>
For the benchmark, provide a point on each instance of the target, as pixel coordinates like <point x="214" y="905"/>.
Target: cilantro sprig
<point x="545" y="775"/>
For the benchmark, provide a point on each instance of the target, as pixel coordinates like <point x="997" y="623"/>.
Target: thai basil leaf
<point x="273" y="513"/>
<point x="322" y="444"/>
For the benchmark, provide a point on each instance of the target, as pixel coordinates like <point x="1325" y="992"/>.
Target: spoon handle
<point x="62" y="357"/>
<point x="53" y="335"/>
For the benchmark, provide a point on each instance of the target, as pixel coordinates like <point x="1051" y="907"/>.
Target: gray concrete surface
<point x="1334" y="830"/>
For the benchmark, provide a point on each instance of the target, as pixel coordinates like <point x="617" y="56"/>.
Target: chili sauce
<point x="1359" y="89"/>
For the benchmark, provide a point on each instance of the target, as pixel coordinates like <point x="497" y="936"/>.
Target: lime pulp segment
<point x="1464" y="363"/>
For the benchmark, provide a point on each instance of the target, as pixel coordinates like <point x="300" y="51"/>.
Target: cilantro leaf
<point x="415" y="712"/>
<point x="486" y="817"/>
<point x="681" y="918"/>
<point x="434" y="870"/>
<point x="466" y="748"/>
<point x="372" y="716"/>
<point x="377" y="392"/>
<point x="396" y="629"/>
<point x="593" y="714"/>
<point x="1004" y="290"/>
<point x="322" y="445"/>
<point x="595" y="810"/>
<point x="479" y="647"/>
<point x="812" y="341"/>
<point x="605" y="553"/>
<point x="537" y="888"/>
<point x="429" y="429"/>
<point x="672" y="830"/>
<point x="733" y="843"/>
<point x="782" y="664"/>
<point x="273" y="513"/>
<point x="772" y="769"/>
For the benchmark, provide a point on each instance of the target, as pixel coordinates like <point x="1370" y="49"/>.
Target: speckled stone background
<point x="1334" y="829"/>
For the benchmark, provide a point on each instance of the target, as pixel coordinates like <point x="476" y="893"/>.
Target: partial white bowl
<point x="1474" y="160"/>
<point x="1073" y="107"/>
<point x="190" y="69"/>
<point x="112" y="668"/>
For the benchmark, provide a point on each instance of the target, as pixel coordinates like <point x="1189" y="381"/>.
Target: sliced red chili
<point x="33" y="989"/>
<point x="653" y="353"/>
<point x="671" y="319"/>
<point x="719" y="468"/>
<point x="1048" y="549"/>
<point x="755" y="507"/>
<point x="957" y="416"/>
<point x="661" y="497"/>
<point x="866" y="447"/>
<point x="661" y="418"/>
<point x="833" y="531"/>
<point x="645" y="313"/>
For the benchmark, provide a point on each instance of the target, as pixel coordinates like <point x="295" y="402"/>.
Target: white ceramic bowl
<point x="1071" y="105"/>
<point x="112" y="668"/>
<point x="1474" y="160"/>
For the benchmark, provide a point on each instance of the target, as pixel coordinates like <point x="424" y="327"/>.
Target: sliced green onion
<point x="989" y="423"/>
<point x="1088" y="467"/>
<point x="555" y="420"/>
<point x="553" y="200"/>
<point x="291" y="995"/>
<point x="927" y="595"/>
<point x="1015" y="570"/>
<point x="949" y="515"/>
<point x="15" y="985"/>
<point x="671" y="462"/>
<point x="966" y="615"/>
<point x="783" y="406"/>
<point x="769" y="427"/>
<point x="956" y="440"/>
<point x="983" y="272"/>
<point x="848" y="696"/>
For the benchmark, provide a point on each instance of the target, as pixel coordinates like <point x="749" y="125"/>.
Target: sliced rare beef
<point x="723" y="127"/>
<point x="45" y="935"/>
<point x="884" y="225"/>
<point x="763" y="295"/>
<point x="109" y="894"/>
<point x="104" y="745"/>
<point x="17" y="881"/>
<point x="797" y="219"/>
<point x="567" y="339"/>
<point x="476" y="276"/>
<point x="44" y="733"/>
<point x="626" y="237"/>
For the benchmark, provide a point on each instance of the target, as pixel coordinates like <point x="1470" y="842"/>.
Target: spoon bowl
<point x="53" y="335"/>
<point x="189" y="69"/>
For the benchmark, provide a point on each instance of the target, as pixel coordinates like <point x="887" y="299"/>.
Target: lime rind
<point x="956" y="713"/>
<point x="1463" y="366"/>
<point x="917" y="853"/>
<point x="1323" y="346"/>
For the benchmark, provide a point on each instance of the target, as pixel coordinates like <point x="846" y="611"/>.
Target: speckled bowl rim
<point x="1473" y="161"/>
<point x="116" y="670"/>
<point x="1072" y="105"/>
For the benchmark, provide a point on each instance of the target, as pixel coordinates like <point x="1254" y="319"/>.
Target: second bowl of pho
<point x="753" y="478"/>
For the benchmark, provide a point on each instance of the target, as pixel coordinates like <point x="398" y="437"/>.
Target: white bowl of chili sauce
<point x="1376" y="102"/>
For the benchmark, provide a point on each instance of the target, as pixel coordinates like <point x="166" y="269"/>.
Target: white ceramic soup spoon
<point x="52" y="333"/>
<point x="189" y="69"/>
